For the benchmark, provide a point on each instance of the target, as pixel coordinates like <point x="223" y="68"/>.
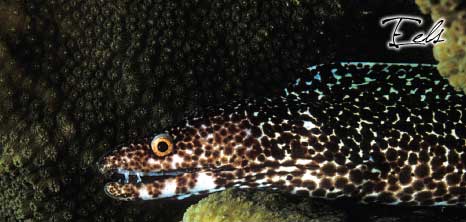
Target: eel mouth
<point x="134" y="177"/>
<point x="129" y="185"/>
<point x="122" y="176"/>
<point x="126" y="185"/>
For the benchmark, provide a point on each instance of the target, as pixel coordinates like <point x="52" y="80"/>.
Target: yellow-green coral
<point x="451" y="54"/>
<point x="262" y="206"/>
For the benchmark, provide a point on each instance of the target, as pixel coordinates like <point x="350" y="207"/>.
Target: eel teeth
<point x="126" y="177"/>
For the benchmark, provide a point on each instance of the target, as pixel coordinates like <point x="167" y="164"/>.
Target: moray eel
<point x="388" y="133"/>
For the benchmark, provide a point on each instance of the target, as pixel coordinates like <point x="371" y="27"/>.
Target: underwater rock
<point x="260" y="206"/>
<point x="450" y="54"/>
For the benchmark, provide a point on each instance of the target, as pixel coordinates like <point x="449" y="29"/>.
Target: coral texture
<point x="79" y="77"/>
<point x="451" y="54"/>
<point x="234" y="205"/>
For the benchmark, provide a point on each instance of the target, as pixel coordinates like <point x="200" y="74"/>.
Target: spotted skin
<point x="376" y="132"/>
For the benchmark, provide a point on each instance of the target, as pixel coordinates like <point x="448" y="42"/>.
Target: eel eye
<point x="162" y="145"/>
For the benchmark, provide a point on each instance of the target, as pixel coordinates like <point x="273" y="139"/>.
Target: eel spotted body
<point x="377" y="132"/>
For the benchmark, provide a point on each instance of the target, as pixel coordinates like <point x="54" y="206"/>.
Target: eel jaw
<point x="133" y="185"/>
<point x="124" y="184"/>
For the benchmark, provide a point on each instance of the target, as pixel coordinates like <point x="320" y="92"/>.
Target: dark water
<point x="368" y="42"/>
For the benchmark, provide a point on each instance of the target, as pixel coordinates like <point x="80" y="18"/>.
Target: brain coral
<point x="234" y="205"/>
<point x="451" y="54"/>
<point x="79" y="77"/>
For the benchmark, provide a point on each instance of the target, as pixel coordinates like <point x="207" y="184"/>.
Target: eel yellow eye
<point x="162" y="145"/>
